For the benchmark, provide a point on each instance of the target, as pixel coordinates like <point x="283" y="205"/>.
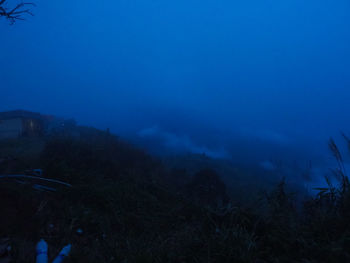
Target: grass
<point x="128" y="210"/>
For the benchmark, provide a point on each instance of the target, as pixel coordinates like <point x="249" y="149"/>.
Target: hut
<point x="20" y="123"/>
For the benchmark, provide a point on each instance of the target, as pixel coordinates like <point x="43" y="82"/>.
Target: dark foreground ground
<point x="125" y="206"/>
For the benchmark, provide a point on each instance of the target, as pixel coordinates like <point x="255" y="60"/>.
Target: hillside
<point x="127" y="206"/>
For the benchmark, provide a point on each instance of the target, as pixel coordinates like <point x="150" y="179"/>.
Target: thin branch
<point x="34" y="177"/>
<point x="17" y="12"/>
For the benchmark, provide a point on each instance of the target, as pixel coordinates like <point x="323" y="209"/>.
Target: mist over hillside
<point x="183" y="131"/>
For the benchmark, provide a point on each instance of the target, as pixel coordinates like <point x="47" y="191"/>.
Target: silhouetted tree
<point x="16" y="12"/>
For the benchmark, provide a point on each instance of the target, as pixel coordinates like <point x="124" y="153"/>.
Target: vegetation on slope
<point x="125" y="206"/>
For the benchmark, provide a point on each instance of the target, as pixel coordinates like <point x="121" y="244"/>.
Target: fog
<point x="247" y="80"/>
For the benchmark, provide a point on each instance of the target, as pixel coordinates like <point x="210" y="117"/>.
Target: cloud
<point x="181" y="143"/>
<point x="267" y="165"/>
<point x="267" y="135"/>
<point x="151" y="131"/>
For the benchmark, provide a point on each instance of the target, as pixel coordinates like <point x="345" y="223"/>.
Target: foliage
<point x="128" y="213"/>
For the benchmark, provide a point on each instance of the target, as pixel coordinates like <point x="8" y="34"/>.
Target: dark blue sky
<point x="275" y="70"/>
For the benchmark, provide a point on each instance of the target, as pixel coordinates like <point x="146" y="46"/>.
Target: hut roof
<point x="20" y="114"/>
